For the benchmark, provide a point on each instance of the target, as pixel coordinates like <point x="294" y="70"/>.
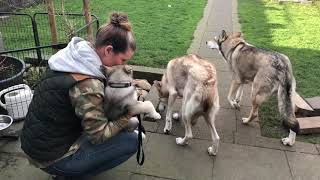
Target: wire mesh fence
<point x="25" y="47"/>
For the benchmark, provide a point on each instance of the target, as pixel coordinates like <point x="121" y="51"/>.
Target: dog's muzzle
<point x="212" y="45"/>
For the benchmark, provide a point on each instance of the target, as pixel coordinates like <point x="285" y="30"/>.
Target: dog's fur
<point x="124" y="100"/>
<point x="269" y="72"/>
<point x="195" y="80"/>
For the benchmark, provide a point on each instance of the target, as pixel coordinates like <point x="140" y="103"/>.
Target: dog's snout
<point x="206" y="42"/>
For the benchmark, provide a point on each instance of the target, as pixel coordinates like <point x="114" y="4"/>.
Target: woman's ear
<point x="108" y="49"/>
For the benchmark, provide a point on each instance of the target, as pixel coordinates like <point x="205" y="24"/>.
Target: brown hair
<point x="117" y="32"/>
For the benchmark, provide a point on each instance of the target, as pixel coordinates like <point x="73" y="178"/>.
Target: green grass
<point x="162" y="33"/>
<point x="292" y="29"/>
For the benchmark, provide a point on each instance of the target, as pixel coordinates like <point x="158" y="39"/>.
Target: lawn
<point x="162" y="31"/>
<point x="292" y="29"/>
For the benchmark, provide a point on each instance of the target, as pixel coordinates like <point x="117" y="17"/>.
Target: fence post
<point x="52" y="21"/>
<point x="87" y="14"/>
<point x="36" y="37"/>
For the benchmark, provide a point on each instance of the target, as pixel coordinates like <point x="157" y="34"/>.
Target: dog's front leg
<point x="171" y="100"/>
<point x="145" y="107"/>
<point x="233" y="88"/>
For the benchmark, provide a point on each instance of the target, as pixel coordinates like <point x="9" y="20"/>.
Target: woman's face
<point x="109" y="58"/>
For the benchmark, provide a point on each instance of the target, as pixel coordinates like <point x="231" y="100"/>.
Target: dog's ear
<point x="223" y="35"/>
<point x="106" y="70"/>
<point x="128" y="69"/>
<point x="157" y="84"/>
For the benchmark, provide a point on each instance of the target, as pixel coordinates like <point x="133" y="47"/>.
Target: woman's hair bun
<point x="120" y="20"/>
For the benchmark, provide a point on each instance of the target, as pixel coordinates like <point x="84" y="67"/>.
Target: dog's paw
<point x="245" y="120"/>
<point x="156" y="116"/>
<point x="213" y="150"/>
<point x="287" y="141"/>
<point x="235" y="104"/>
<point x="166" y="131"/>
<point x="168" y="126"/>
<point x="181" y="141"/>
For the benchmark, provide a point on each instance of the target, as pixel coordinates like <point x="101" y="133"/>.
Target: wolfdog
<point x="269" y="72"/>
<point x="121" y="96"/>
<point x="194" y="79"/>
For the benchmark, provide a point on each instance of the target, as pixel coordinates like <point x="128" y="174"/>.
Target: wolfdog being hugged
<point x="121" y="96"/>
<point x="195" y="80"/>
<point x="269" y="72"/>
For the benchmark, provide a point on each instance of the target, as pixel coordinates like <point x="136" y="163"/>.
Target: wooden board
<point x="300" y="102"/>
<point x="309" y="125"/>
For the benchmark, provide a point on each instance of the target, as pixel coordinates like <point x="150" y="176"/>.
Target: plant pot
<point x="11" y="73"/>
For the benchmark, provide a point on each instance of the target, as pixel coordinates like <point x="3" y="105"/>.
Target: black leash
<point x="140" y="152"/>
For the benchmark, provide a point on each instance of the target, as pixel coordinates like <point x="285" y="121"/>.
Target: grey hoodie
<point x="77" y="57"/>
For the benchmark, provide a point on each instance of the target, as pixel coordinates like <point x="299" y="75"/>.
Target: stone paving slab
<point x="304" y="166"/>
<point x="18" y="168"/>
<point x="112" y="174"/>
<point x="177" y="162"/>
<point x="225" y="124"/>
<point x="237" y="162"/>
<point x="146" y="177"/>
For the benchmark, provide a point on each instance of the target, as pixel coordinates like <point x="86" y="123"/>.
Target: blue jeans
<point x="91" y="159"/>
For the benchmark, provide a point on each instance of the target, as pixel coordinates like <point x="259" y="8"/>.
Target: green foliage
<point x="161" y="32"/>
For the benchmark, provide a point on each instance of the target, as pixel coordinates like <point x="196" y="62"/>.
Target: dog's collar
<point x="220" y="49"/>
<point x="119" y="84"/>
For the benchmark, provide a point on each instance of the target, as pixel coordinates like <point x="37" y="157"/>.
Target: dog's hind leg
<point x="231" y="95"/>
<point x="188" y="111"/>
<point x="171" y="100"/>
<point x="210" y="119"/>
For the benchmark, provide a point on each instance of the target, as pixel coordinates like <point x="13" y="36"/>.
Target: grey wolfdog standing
<point x="121" y="96"/>
<point x="269" y="72"/>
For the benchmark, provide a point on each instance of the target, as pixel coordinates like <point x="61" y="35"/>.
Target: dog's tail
<point x="285" y="92"/>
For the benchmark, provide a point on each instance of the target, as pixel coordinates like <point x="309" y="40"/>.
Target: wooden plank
<point x="52" y="22"/>
<point x="300" y="102"/>
<point x="309" y="125"/>
<point x="87" y="15"/>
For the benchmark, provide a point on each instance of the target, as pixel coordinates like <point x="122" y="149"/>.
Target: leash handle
<point x="140" y="152"/>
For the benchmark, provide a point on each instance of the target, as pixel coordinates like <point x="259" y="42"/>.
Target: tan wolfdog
<point x="195" y="80"/>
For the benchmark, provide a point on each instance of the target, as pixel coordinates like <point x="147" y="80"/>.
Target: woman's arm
<point x="87" y="98"/>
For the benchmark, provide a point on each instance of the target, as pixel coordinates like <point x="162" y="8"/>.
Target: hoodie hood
<point x="77" y="57"/>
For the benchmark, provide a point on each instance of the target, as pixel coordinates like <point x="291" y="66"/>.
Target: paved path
<point x="243" y="153"/>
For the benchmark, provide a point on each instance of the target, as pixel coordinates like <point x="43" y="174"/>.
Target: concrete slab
<point x="304" y="166"/>
<point x="225" y="125"/>
<point x="131" y="164"/>
<point x="12" y="147"/>
<point x="166" y="159"/>
<point x="18" y="168"/>
<point x="150" y="126"/>
<point x="112" y="174"/>
<point x="274" y="143"/>
<point x="253" y="128"/>
<point x="145" y="177"/>
<point x="246" y="163"/>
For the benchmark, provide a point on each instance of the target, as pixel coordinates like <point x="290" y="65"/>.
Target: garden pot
<point x="11" y="73"/>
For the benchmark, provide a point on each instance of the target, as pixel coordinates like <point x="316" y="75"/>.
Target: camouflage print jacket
<point x="87" y="98"/>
